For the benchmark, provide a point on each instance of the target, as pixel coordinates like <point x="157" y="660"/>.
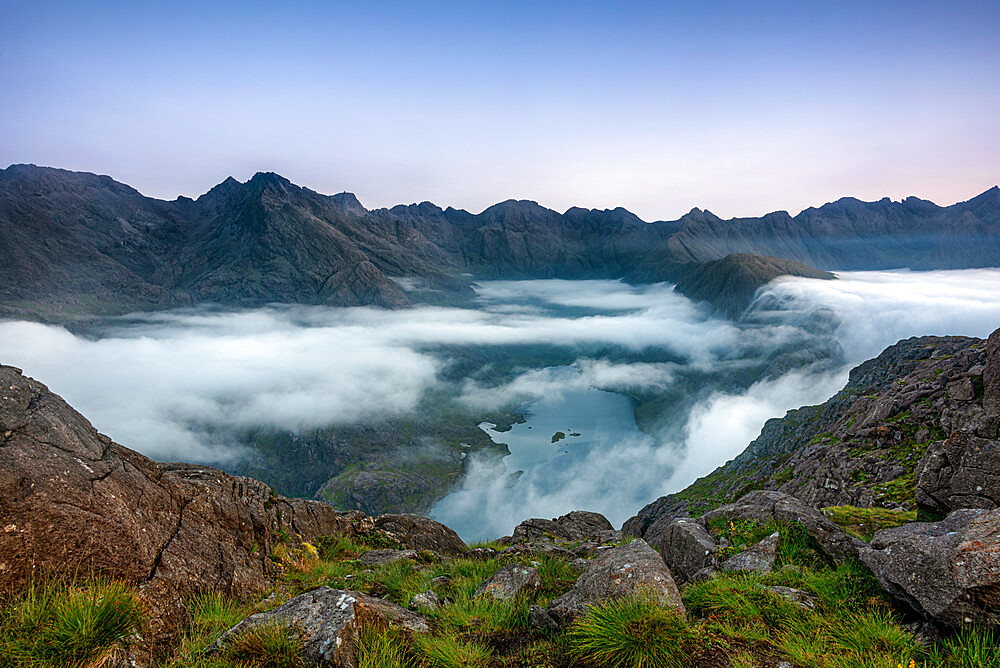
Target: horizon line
<point x="509" y="199"/>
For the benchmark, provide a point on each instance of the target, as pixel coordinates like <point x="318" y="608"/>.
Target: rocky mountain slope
<point x="916" y="427"/>
<point x="853" y="235"/>
<point x="225" y="573"/>
<point x="77" y="245"/>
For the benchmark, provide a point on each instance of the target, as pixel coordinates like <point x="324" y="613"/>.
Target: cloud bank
<point x="176" y="385"/>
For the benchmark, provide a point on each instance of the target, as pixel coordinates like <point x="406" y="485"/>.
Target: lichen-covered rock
<point x="328" y="620"/>
<point x="765" y="506"/>
<point x="417" y="532"/>
<point x="757" y="559"/>
<point x="629" y="570"/>
<point x="541" y="619"/>
<point x="427" y="600"/>
<point x="961" y="472"/>
<point x="379" y="557"/>
<point x="509" y="582"/>
<point x="576" y="525"/>
<point x="684" y="544"/>
<point x="949" y="571"/>
<point x="796" y="597"/>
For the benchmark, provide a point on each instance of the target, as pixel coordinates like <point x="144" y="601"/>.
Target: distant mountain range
<point x="76" y="245"/>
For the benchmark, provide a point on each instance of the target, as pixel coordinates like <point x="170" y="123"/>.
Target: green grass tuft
<point x="630" y="633"/>
<point x="864" y="522"/>
<point x="378" y="647"/>
<point x="68" y="624"/>
<point x="446" y="651"/>
<point x="266" y="646"/>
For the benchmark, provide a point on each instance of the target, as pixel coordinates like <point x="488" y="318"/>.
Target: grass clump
<point x="448" y="651"/>
<point x="864" y="522"/>
<point x="630" y="633"/>
<point x="971" y="647"/>
<point x="266" y="646"/>
<point x="71" y="624"/>
<point x="380" y="647"/>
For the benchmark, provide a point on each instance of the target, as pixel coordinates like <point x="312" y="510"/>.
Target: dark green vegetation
<point x="840" y="620"/>
<point x="68" y="624"/>
<point x="864" y="522"/>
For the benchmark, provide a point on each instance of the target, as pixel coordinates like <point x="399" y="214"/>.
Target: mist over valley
<point x="650" y="389"/>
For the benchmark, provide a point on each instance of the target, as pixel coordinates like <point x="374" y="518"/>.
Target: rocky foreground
<point x="790" y="528"/>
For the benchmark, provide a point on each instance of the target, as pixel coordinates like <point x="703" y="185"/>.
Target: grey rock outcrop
<point x="576" y="525"/>
<point x="417" y="532"/>
<point x="989" y="427"/>
<point x="509" y="582"/>
<point x="949" y="571"/>
<point x="685" y="545"/>
<point x="961" y="472"/>
<point x="633" y="569"/>
<point x="328" y="620"/>
<point x="765" y="506"/>
<point x="757" y="559"/>
<point x="380" y="557"/>
<point x="863" y="445"/>
<point x="578" y="533"/>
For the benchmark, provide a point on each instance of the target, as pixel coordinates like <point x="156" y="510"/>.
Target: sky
<point x="738" y="107"/>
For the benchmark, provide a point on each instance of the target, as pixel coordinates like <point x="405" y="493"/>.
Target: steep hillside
<point x="892" y="438"/>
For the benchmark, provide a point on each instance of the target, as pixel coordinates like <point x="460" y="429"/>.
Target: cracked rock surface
<point x="74" y="501"/>
<point x="328" y="620"/>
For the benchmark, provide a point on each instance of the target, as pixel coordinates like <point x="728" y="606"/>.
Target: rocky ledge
<point x="74" y="502"/>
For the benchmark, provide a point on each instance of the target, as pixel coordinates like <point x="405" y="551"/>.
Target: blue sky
<point x="741" y="108"/>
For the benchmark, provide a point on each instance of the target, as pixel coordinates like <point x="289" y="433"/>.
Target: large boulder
<point x="328" y="620"/>
<point x="949" y="571"/>
<point x="765" y="506"/>
<point x="684" y="544"/>
<point x="961" y="472"/>
<point x="73" y="501"/>
<point x="573" y="526"/>
<point x="509" y="582"/>
<point x="417" y="532"/>
<point x="618" y="572"/>
<point x="756" y="559"/>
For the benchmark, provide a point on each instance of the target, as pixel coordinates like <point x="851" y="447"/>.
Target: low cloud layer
<point x="864" y="311"/>
<point x="153" y="382"/>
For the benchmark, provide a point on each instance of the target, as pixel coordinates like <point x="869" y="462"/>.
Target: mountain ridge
<point x="79" y="245"/>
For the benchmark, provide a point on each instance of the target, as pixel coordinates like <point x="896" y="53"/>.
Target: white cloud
<point x="154" y="380"/>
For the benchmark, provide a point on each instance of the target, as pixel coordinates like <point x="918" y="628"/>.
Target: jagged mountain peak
<point x="349" y="203"/>
<point x="700" y="215"/>
<point x="517" y="207"/>
<point x="425" y="208"/>
<point x="269" y="178"/>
